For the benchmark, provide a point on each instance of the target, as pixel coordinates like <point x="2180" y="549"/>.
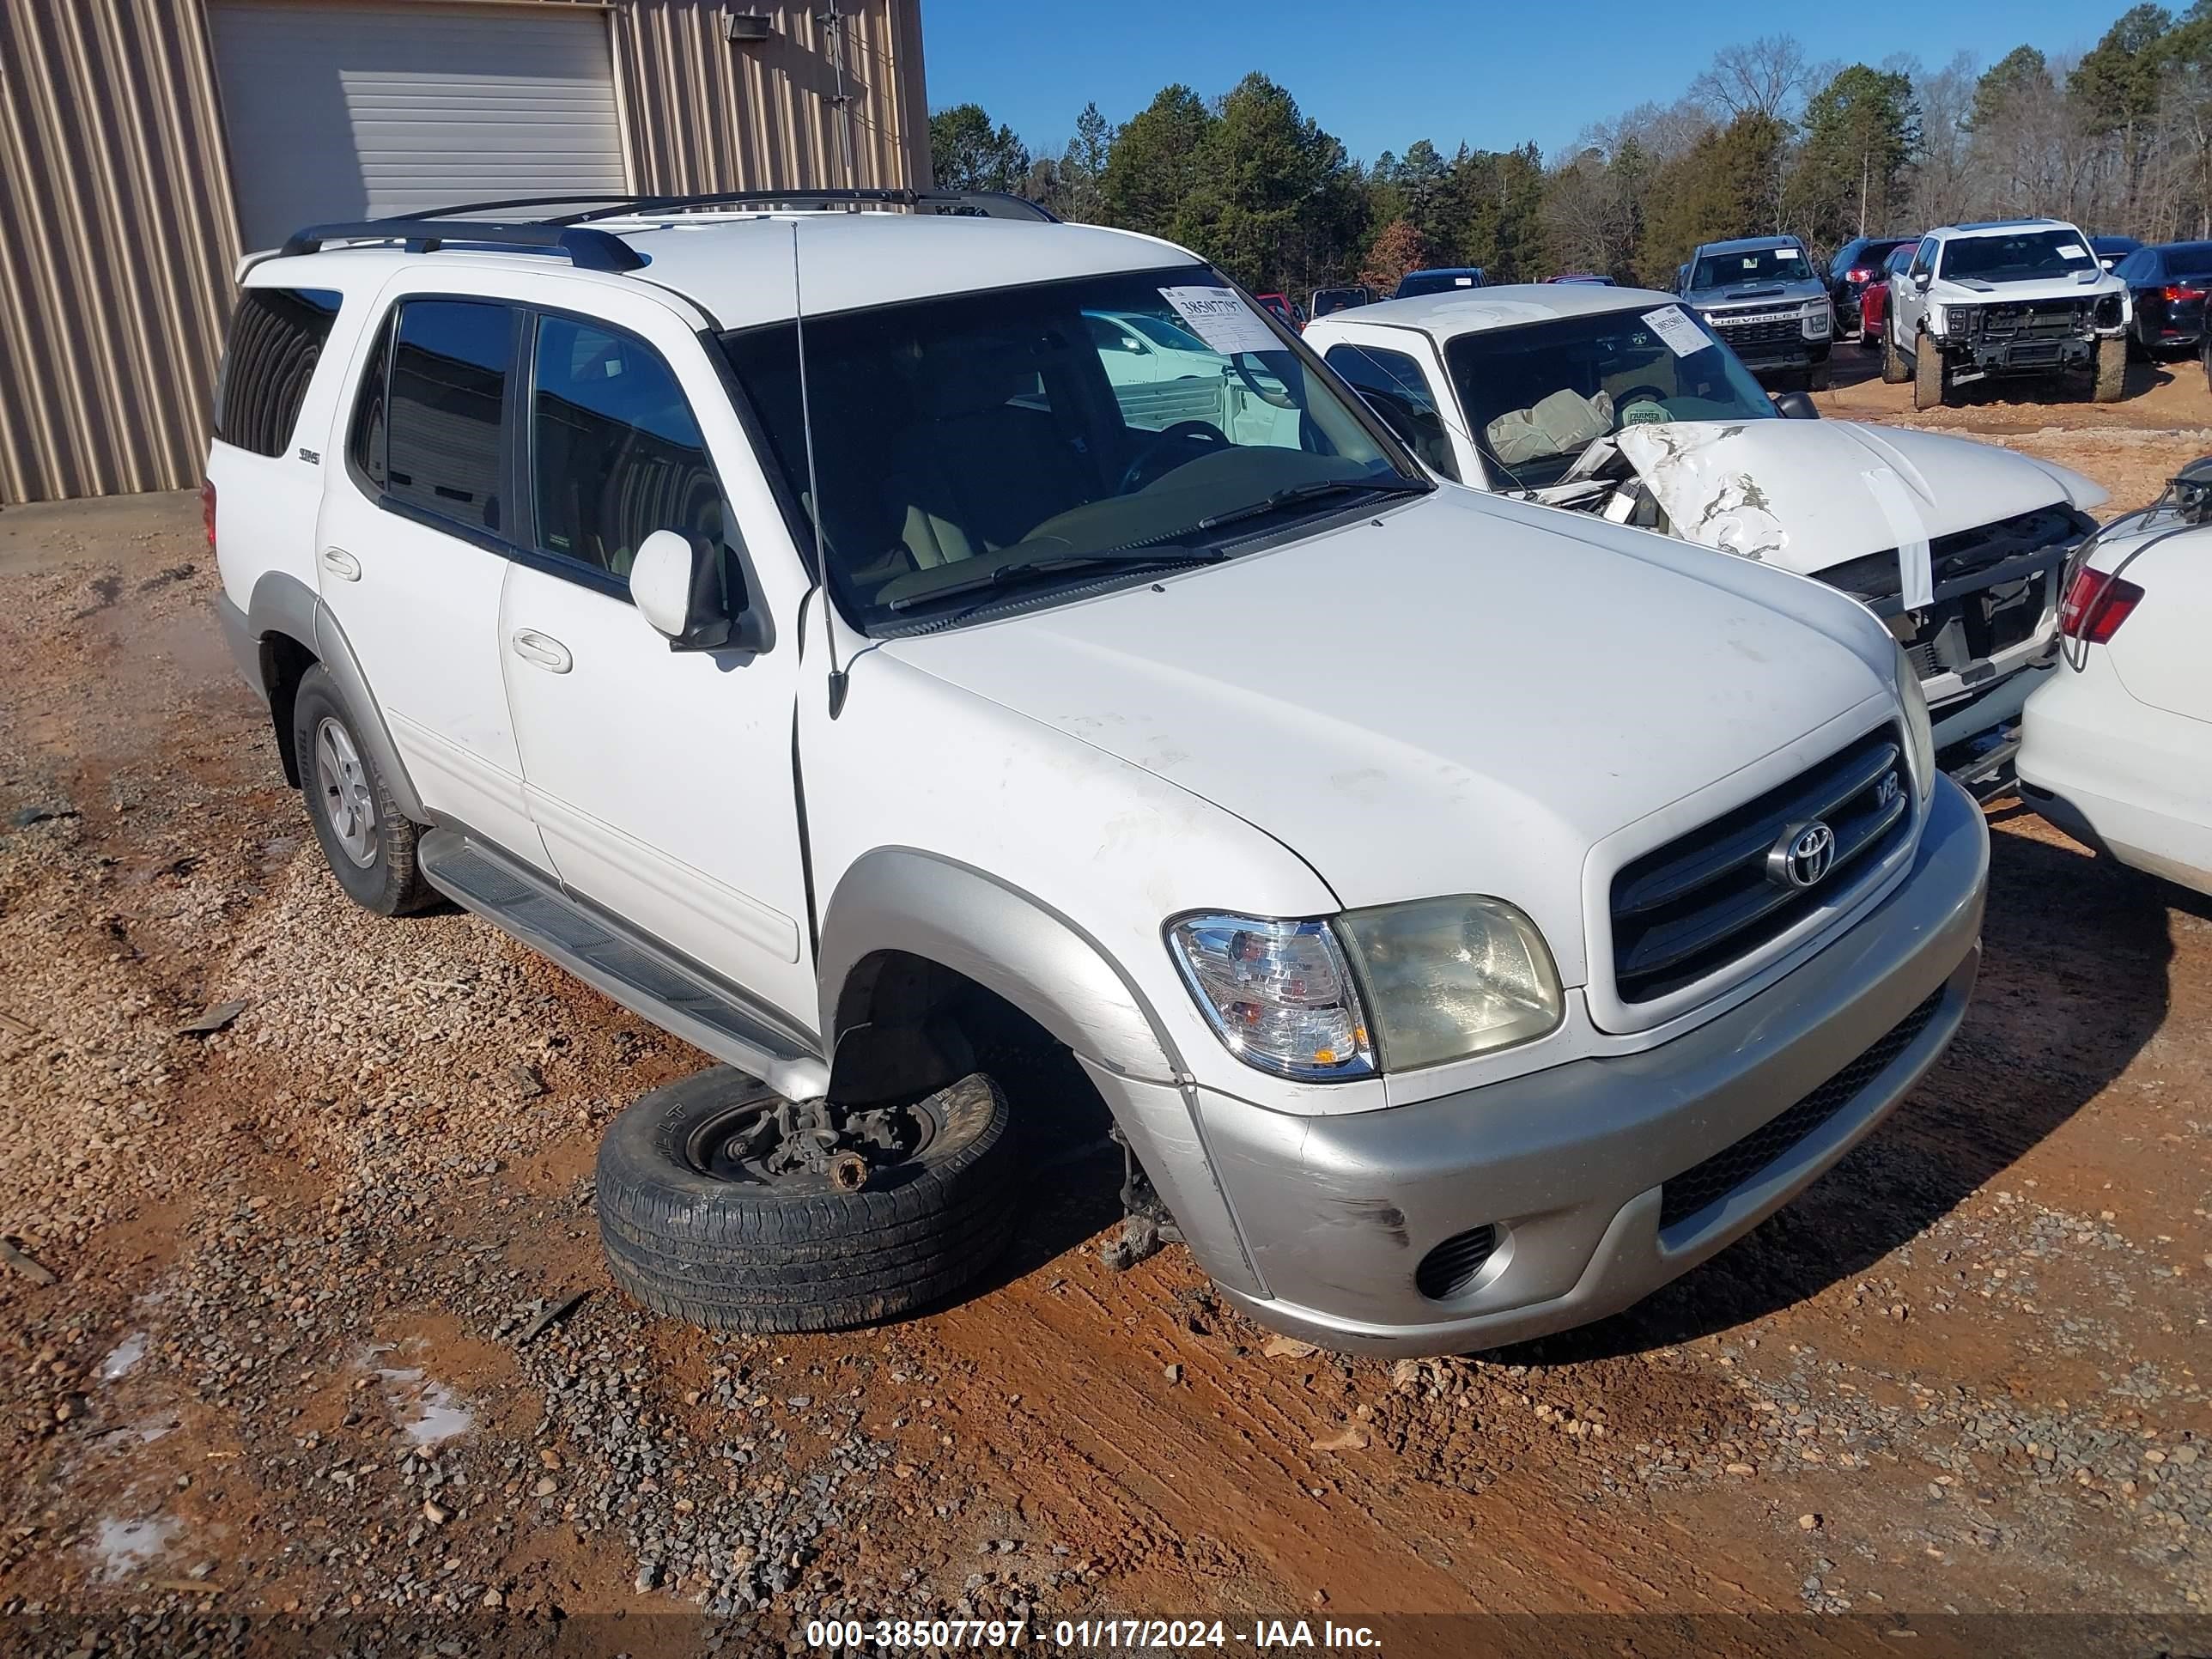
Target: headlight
<point x="1399" y="986"/>
<point x="1919" y="733"/>
<point x="1450" y="978"/>
<point x="1278" y="993"/>
<point x="1817" y="317"/>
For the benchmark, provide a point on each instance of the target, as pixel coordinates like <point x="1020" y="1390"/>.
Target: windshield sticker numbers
<point x="2072" y="251"/>
<point x="1682" y="335"/>
<point x="1223" y="320"/>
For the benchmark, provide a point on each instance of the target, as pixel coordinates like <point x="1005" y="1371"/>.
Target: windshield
<point x="2022" y="255"/>
<point x="1327" y="299"/>
<point x="956" y="436"/>
<point x="1436" y="281"/>
<point x="1539" y="395"/>
<point x="1757" y="264"/>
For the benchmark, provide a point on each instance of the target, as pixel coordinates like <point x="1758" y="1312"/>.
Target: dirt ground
<point x="295" y="1361"/>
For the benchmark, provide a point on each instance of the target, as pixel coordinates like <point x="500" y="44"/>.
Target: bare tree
<point x="1767" y="77"/>
<point x="1941" y="188"/>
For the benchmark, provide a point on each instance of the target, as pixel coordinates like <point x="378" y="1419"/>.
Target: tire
<point x="1895" y="371"/>
<point x="764" y="1256"/>
<point x="2109" y="374"/>
<point x="1874" y="340"/>
<point x="1930" y="385"/>
<point x="1818" y="376"/>
<point x="365" y="839"/>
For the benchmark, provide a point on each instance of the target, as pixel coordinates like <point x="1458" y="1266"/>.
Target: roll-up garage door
<point x="341" y="112"/>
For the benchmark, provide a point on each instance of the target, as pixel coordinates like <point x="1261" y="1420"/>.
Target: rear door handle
<point x="541" y="649"/>
<point x="341" y="564"/>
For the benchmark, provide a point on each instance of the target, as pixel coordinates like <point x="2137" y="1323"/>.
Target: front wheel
<point x="2111" y="371"/>
<point x="1817" y="377"/>
<point x="1932" y="387"/>
<point x="368" y="842"/>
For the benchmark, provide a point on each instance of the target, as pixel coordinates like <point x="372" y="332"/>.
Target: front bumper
<point x="1336" y="1213"/>
<point x="2022" y="356"/>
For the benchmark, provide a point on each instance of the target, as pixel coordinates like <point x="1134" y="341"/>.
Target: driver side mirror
<point x="1921" y="279"/>
<point x="676" y="582"/>
<point x="1796" y="406"/>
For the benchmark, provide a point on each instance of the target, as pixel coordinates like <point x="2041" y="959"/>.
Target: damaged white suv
<point x="1623" y="404"/>
<point x="1470" y="916"/>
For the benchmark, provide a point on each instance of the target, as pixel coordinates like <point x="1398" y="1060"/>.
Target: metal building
<point x="145" y="143"/>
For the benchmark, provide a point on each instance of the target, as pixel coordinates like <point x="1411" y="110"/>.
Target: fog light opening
<point x="1452" y="1268"/>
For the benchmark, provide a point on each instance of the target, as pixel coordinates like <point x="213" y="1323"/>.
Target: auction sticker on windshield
<point x="1222" y="320"/>
<point x="1682" y="335"/>
<point x="2072" y="251"/>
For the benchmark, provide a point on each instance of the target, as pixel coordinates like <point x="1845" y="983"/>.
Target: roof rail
<point x="587" y="250"/>
<point x="970" y="203"/>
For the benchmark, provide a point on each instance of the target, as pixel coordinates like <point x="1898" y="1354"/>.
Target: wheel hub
<point x="349" y="803"/>
<point x="810" y="1145"/>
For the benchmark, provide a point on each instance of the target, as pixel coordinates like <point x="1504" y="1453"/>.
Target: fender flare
<point x="282" y="605"/>
<point x="900" y="898"/>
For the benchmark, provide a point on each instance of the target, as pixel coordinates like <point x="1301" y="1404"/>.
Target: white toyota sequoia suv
<point x="793" y="617"/>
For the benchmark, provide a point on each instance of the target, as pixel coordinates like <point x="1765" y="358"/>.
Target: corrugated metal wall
<point x="115" y="284"/>
<point x="120" y="238"/>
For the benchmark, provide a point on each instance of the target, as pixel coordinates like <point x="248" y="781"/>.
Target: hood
<point x="1807" y="495"/>
<point x="1973" y="290"/>
<point x="1458" y="696"/>
<point x="1769" y="293"/>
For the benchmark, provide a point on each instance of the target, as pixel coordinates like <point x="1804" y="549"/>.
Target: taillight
<point x="2096" y="605"/>
<point x="1859" y="276"/>
<point x="2177" y="292"/>
<point x="207" y="510"/>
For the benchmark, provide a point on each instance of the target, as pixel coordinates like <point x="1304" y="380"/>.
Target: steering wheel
<point x="1280" y="399"/>
<point x="1203" y="432"/>
<point x="1639" y="394"/>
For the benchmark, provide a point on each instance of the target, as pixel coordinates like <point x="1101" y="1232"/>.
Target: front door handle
<point x="543" y="650"/>
<point x="341" y="564"/>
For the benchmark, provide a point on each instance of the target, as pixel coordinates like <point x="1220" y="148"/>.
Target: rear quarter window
<point x="276" y="339"/>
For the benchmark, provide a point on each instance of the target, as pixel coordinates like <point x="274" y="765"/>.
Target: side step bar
<point x="649" y="980"/>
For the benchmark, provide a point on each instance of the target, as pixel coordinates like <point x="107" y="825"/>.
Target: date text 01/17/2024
<point x="1113" y="1635"/>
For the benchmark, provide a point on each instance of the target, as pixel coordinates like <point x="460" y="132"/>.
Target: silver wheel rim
<point x="347" y="801"/>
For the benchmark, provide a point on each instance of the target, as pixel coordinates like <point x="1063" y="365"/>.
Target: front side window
<point x="1396" y="389"/>
<point x="1923" y="257"/>
<point x="1539" y="395"/>
<point x="276" y="339"/>
<point x="996" y="438"/>
<point x="1758" y="264"/>
<point x="615" y="451"/>
<point x="2017" y="256"/>
<point x="445" y="410"/>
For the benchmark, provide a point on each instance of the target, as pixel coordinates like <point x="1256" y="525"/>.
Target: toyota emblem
<point x="1802" y="855"/>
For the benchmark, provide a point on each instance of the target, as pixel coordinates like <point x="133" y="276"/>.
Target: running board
<point x="649" y="980"/>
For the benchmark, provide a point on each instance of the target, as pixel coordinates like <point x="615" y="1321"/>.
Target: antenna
<point x="837" y="681"/>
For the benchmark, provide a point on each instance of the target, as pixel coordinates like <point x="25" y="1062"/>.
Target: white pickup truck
<point x="1625" y="405"/>
<point x="783" y="615"/>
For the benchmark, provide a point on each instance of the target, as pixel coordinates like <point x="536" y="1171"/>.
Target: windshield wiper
<point x="1058" y="564"/>
<point x="1293" y="495"/>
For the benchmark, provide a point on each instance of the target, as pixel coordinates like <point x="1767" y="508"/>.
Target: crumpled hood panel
<point x="1807" y="495"/>
<point x="1970" y="290"/>
<point x="1461" y="696"/>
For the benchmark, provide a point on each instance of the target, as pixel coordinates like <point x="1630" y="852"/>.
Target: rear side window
<point x="428" y="429"/>
<point x="275" y="339"/>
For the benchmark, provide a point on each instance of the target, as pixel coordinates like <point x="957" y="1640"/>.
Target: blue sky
<point x="1492" y="72"/>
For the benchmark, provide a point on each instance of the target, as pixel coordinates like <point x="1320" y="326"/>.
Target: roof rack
<point x="589" y="249"/>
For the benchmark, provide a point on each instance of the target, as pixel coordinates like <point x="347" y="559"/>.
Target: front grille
<point x="1452" y="1266"/>
<point x="1699" y="1188"/>
<point x="2031" y="319"/>
<point x="1704" y="900"/>
<point x="2040" y="539"/>
<point x="1760" y="330"/>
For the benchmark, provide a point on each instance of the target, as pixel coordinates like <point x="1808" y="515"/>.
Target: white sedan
<point x="2117" y="749"/>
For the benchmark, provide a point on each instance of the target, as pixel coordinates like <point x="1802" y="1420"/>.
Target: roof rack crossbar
<point x="587" y="250"/>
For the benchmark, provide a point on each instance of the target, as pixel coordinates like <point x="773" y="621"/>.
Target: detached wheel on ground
<point x="1930" y="384"/>
<point x="368" y="843"/>
<point x="724" y="1204"/>
<point x="2109" y="375"/>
